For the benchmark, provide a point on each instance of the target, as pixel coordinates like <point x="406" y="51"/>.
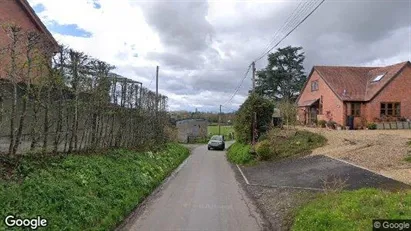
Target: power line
<point x="151" y="82"/>
<point x="295" y="27"/>
<point x="239" y="86"/>
<point x="301" y="9"/>
<point x="229" y="108"/>
<point x="283" y="26"/>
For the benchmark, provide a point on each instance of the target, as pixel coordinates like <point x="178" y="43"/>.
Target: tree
<point x="288" y="111"/>
<point x="284" y="75"/>
<point x="243" y="124"/>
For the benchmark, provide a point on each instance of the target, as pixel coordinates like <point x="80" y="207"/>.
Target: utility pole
<point x="253" y="67"/>
<point x="254" y="127"/>
<point x="254" y="113"/>
<point x="157" y="88"/>
<point x="219" y="122"/>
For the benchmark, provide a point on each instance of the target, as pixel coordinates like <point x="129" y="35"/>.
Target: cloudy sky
<point x="203" y="48"/>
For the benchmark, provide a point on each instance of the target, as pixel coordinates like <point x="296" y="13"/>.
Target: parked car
<point x="216" y="142"/>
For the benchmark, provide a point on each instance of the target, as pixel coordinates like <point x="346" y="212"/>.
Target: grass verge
<point x="89" y="192"/>
<point x="240" y="153"/>
<point x="352" y="210"/>
<point x="295" y="143"/>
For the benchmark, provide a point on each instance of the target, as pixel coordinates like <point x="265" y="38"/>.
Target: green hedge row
<point x="89" y="192"/>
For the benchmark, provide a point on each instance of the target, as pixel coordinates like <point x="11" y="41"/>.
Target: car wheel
<point x="208" y="148"/>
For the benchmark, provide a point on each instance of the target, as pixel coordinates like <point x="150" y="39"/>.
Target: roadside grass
<point x="408" y="158"/>
<point x="239" y="153"/>
<point x="87" y="192"/>
<point x="352" y="210"/>
<point x="225" y="130"/>
<point x="296" y="143"/>
<point x="289" y="142"/>
<point x="278" y="144"/>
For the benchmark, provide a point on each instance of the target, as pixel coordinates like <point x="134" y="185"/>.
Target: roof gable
<point x="356" y="83"/>
<point x="36" y="20"/>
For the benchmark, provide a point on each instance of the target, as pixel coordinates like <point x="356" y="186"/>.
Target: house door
<point x="313" y="115"/>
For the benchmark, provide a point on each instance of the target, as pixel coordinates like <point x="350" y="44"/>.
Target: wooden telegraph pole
<point x="254" y="113"/>
<point x="157" y="89"/>
<point x="219" y="122"/>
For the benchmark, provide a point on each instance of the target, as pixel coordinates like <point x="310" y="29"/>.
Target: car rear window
<point x="219" y="138"/>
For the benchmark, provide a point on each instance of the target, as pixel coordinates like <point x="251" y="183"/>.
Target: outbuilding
<point x="191" y="129"/>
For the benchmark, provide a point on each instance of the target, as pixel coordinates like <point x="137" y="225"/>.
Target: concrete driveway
<point x="204" y="195"/>
<point x="311" y="172"/>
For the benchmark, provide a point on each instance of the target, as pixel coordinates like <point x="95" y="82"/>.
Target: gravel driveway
<point x="382" y="151"/>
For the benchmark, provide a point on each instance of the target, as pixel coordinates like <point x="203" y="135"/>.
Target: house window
<point x="390" y="109"/>
<point x="356" y="109"/>
<point x="314" y="85"/>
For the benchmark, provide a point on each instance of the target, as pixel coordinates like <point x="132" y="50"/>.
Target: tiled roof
<point x="308" y="103"/>
<point x="356" y="83"/>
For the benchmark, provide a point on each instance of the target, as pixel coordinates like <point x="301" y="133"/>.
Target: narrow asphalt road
<point x="204" y="195"/>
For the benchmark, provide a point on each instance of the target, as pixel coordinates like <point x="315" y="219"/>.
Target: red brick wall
<point x="12" y="12"/>
<point x="331" y="102"/>
<point x="398" y="90"/>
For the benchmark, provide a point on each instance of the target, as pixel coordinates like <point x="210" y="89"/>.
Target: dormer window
<point x="378" y="77"/>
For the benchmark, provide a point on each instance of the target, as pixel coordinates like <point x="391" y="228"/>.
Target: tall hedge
<point x="243" y="124"/>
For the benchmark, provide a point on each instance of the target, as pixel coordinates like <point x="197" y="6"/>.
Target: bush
<point x="239" y="153"/>
<point x="332" y="124"/>
<point x="93" y="192"/>
<point x="372" y="126"/>
<point x="262" y="137"/>
<point x="286" y="143"/>
<point x="263" y="150"/>
<point x="244" y="117"/>
<point x="322" y="123"/>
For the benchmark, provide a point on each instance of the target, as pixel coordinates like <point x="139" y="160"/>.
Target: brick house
<point x="367" y="93"/>
<point x="20" y="13"/>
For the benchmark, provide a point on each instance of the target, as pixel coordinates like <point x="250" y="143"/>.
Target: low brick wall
<point x="394" y="125"/>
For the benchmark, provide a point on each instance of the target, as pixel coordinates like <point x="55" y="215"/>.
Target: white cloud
<point x="118" y="29"/>
<point x="193" y="40"/>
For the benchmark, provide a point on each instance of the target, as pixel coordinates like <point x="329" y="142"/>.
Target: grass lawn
<point x="352" y="210"/>
<point x="225" y="130"/>
<point x="80" y="192"/>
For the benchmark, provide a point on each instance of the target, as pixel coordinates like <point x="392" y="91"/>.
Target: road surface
<point x="204" y="195"/>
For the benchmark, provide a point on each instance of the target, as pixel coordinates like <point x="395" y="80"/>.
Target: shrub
<point x="263" y="136"/>
<point x="244" y="117"/>
<point x="263" y="150"/>
<point x="372" y="126"/>
<point x="331" y="124"/>
<point x="322" y="123"/>
<point x="239" y="153"/>
<point x="286" y="143"/>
